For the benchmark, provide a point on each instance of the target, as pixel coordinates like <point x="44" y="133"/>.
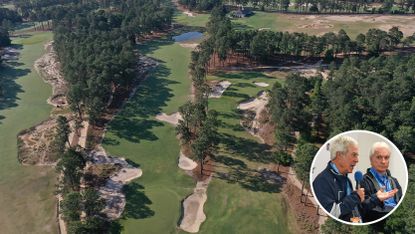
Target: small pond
<point x="188" y="36"/>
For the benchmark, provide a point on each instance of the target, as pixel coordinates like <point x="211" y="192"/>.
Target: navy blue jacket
<point x="371" y="186"/>
<point x="330" y="189"/>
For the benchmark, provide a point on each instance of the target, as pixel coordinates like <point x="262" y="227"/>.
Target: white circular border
<point x="367" y="132"/>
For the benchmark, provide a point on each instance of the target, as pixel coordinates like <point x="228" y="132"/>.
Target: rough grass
<point x="154" y="200"/>
<point x="27" y="203"/>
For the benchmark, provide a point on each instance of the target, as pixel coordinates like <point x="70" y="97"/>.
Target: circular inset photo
<point x="359" y="177"/>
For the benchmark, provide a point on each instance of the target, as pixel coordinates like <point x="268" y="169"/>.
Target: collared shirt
<point x="384" y="182"/>
<point x="348" y="186"/>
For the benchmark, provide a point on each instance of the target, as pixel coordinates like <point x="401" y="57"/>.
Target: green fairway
<point x="320" y="24"/>
<point x="27" y="203"/>
<point x="153" y="201"/>
<point x="243" y="200"/>
<point x="198" y="20"/>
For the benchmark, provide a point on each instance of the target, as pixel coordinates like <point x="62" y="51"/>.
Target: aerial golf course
<point x="245" y="194"/>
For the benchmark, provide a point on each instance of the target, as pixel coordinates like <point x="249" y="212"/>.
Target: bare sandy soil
<point x="384" y="22"/>
<point x="35" y="145"/>
<point x="48" y="66"/>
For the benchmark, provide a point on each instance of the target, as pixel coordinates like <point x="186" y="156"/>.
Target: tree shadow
<point x="241" y="26"/>
<point x="244" y="85"/>
<point x="115" y="227"/>
<point x="246" y="75"/>
<point x="246" y="148"/>
<point x="137" y="203"/>
<point x="232" y="92"/>
<point x="254" y="180"/>
<point x="134" y="130"/>
<point x="9" y="88"/>
<point x="134" y="122"/>
<point x="110" y="141"/>
<point x="231" y="162"/>
<point x="151" y="46"/>
<point x="132" y="163"/>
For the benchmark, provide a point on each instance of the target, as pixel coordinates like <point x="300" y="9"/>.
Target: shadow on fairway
<point x="137" y="203"/>
<point x="135" y="122"/>
<point x="241" y="75"/>
<point x="237" y="172"/>
<point x="9" y="88"/>
<point x="247" y="148"/>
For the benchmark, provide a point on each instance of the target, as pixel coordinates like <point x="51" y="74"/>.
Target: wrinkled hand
<point x="385" y="195"/>
<point x="361" y="193"/>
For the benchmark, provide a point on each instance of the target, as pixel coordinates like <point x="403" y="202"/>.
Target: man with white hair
<point x="333" y="188"/>
<point x="379" y="180"/>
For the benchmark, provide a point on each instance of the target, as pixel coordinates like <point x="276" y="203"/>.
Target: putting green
<point x="27" y="203"/>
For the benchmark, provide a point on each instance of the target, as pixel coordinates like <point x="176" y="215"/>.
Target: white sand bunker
<point x="111" y="192"/>
<point x="48" y="66"/>
<point x="261" y="84"/>
<point x="219" y="89"/>
<point x="257" y="105"/>
<point x="188" y="13"/>
<point x="193" y="215"/>
<point x="171" y="119"/>
<point x="186" y="163"/>
<point x="189" y="45"/>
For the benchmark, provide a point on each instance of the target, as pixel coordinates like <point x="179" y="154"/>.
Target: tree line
<point x="265" y="45"/>
<point x="198" y="131"/>
<point x="96" y="50"/>
<point x="80" y="207"/>
<point x="374" y="94"/>
<point x="200" y="5"/>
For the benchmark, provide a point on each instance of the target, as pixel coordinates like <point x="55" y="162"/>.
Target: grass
<point x="199" y="20"/>
<point x="153" y="201"/>
<point x="27" y="204"/>
<point x="293" y="23"/>
<point x="242" y="200"/>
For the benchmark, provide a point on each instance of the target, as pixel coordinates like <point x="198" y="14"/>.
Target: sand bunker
<point x="111" y="192"/>
<point x="186" y="163"/>
<point x="193" y="215"/>
<point x="48" y="66"/>
<point x="171" y="119"/>
<point x="261" y="84"/>
<point x="219" y="89"/>
<point x="257" y="106"/>
<point x="188" y="13"/>
<point x="189" y="45"/>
